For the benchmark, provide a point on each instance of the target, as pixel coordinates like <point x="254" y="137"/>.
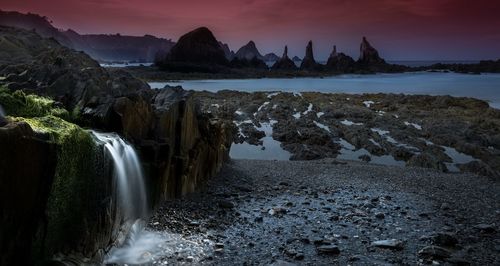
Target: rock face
<point x="284" y="63"/>
<point x="368" y="54"/>
<point x="340" y="62"/>
<point x="227" y="52"/>
<point x="27" y="169"/>
<point x="179" y="146"/>
<point x="271" y="57"/>
<point x="248" y="52"/>
<point x="308" y="63"/>
<point x="197" y="46"/>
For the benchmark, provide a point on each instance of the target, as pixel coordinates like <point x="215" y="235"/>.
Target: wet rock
<point x="380" y="215"/>
<point x="434" y="252"/>
<point x="328" y="249"/>
<point x="389" y="244"/>
<point x="282" y="263"/>
<point x="277" y="211"/>
<point x="428" y="161"/>
<point x="365" y="158"/>
<point x="444" y="239"/>
<point x="486" y="228"/>
<point x="226" y="204"/>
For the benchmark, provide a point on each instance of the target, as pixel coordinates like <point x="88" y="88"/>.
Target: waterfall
<point x="2" y="112"/>
<point x="132" y="198"/>
<point x="132" y="201"/>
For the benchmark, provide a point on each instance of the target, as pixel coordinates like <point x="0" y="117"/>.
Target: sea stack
<point x="308" y="63"/>
<point x="248" y="52"/>
<point x="197" y="46"/>
<point x="340" y="62"/>
<point x="369" y="55"/>
<point x="284" y="63"/>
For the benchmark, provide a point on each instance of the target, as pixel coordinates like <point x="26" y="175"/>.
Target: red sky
<point x="399" y="29"/>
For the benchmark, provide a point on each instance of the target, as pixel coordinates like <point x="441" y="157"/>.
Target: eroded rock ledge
<point x="56" y="184"/>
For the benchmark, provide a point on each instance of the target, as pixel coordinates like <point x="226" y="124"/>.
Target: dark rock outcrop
<point x="340" y="62"/>
<point x="296" y="59"/>
<point x="27" y="168"/>
<point x="369" y="55"/>
<point x="179" y="146"/>
<point x="248" y="52"/>
<point x="227" y="52"/>
<point x="245" y="63"/>
<point x="271" y="57"/>
<point x="308" y="62"/>
<point x="284" y="63"/>
<point x="197" y="46"/>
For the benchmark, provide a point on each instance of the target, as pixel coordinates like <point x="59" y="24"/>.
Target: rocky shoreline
<point x="336" y="212"/>
<point x="440" y="132"/>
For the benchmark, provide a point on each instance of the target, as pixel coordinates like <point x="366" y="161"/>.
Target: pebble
<point x="434" y="252"/>
<point x="388" y="243"/>
<point x="328" y="249"/>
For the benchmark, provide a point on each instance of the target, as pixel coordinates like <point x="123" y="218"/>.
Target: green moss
<point x="20" y="104"/>
<point x="76" y="183"/>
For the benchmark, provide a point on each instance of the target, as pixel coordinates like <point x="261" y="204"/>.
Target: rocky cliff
<point x="180" y="146"/>
<point x="308" y="62"/>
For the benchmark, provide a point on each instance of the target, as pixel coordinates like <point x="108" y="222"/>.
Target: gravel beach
<point x="336" y="212"/>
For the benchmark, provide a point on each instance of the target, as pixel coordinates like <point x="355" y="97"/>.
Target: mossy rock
<point x="80" y="190"/>
<point x="20" y="104"/>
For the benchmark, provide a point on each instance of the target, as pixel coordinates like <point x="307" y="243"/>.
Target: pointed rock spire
<point x="368" y="54"/>
<point x="308" y="61"/>
<point x="284" y="63"/>
<point x="334" y="52"/>
<point x="285" y="53"/>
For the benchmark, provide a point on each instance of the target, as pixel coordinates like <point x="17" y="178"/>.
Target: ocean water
<point x="484" y="86"/>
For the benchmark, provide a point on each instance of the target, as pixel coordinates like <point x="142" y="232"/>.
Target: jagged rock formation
<point x="369" y="55"/>
<point x="227" y="52"/>
<point x="284" y="63"/>
<point x="180" y="147"/>
<point x="197" y="46"/>
<point x="271" y="57"/>
<point x="340" y="62"/>
<point x="98" y="46"/>
<point x="296" y="59"/>
<point x="248" y="52"/>
<point x="308" y="63"/>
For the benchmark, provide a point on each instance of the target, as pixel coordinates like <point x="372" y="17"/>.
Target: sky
<point x="399" y="29"/>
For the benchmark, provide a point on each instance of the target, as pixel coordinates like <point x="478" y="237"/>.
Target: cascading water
<point x="141" y="246"/>
<point x="131" y="189"/>
<point x="2" y="112"/>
